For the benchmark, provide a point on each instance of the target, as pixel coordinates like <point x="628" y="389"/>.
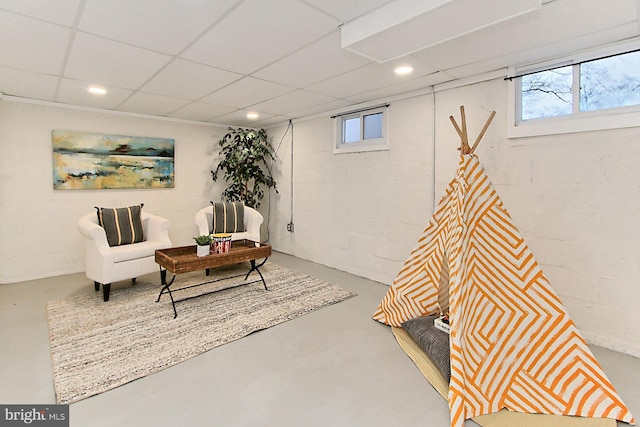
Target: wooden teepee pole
<point x="465" y="135"/>
<point x="455" y="125"/>
<point x="462" y="132"/>
<point x="484" y="129"/>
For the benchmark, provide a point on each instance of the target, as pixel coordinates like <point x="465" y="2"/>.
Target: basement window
<point x="362" y="130"/>
<point x="599" y="91"/>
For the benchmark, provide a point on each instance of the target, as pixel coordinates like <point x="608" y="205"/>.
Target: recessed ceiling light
<point x="97" y="90"/>
<point x="405" y="69"/>
<point x="252" y="116"/>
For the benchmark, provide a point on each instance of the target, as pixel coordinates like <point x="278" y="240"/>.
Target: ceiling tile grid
<point x="29" y="84"/>
<point x="32" y="45"/>
<point x="214" y="61"/>
<point x="247" y="92"/>
<point x="165" y="26"/>
<point x="75" y="92"/>
<point x="201" y="112"/>
<point x="258" y="32"/>
<point x="188" y="80"/>
<point x="62" y="13"/>
<point x="108" y="62"/>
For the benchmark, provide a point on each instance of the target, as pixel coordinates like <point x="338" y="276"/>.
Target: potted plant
<point x="203" y="244"/>
<point x="245" y="155"/>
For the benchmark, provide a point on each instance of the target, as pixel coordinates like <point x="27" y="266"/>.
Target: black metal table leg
<point x="166" y="286"/>
<point x="167" y="289"/>
<point x="256" y="268"/>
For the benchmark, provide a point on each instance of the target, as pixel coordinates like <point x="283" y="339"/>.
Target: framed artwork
<point x="89" y="161"/>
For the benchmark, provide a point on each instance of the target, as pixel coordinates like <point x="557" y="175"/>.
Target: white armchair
<point x="252" y="222"/>
<point x="106" y="264"/>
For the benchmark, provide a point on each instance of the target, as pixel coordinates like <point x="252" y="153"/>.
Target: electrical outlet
<point x="290" y="227"/>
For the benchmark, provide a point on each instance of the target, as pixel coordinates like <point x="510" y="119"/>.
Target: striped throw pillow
<point x="227" y="217"/>
<point x="122" y="225"/>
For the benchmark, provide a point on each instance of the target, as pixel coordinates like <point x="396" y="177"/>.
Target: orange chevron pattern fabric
<point x="512" y="343"/>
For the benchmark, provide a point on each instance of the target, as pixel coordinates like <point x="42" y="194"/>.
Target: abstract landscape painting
<point x="86" y="161"/>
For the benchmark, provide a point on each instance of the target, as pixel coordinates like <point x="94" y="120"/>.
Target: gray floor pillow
<point x="433" y="341"/>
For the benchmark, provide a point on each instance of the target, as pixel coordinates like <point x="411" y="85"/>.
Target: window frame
<point x="371" y="144"/>
<point x="577" y="121"/>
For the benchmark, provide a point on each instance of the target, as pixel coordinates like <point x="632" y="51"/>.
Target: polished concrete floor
<point x="332" y="367"/>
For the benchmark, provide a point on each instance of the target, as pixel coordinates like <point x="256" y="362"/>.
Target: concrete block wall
<point x="574" y="197"/>
<point x="38" y="226"/>
<point x="358" y="212"/>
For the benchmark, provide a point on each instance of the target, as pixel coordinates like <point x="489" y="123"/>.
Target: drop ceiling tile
<point x="272" y="121"/>
<point x="147" y="103"/>
<point x="27" y="84"/>
<point x="399" y="88"/>
<point x="200" y="111"/>
<point x="75" y="92"/>
<point x="111" y="63"/>
<point x="362" y="80"/>
<point x="319" y="61"/>
<point x="420" y="68"/>
<point x="285" y="43"/>
<point x="62" y="12"/>
<point x="258" y="32"/>
<point x="246" y="92"/>
<point x="347" y="10"/>
<point x="32" y="45"/>
<point x="188" y="80"/>
<point x="239" y="118"/>
<point x="166" y="26"/>
<point x="329" y="108"/>
<point x="291" y="102"/>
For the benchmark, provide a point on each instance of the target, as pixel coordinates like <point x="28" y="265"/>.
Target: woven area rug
<point x="97" y="346"/>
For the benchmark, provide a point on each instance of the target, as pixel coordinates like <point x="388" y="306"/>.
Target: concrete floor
<point x="333" y="367"/>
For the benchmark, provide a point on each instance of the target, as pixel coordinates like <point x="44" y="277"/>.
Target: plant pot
<point x="202" y="250"/>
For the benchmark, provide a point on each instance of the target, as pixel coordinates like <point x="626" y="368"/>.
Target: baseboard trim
<point x="608" y="343"/>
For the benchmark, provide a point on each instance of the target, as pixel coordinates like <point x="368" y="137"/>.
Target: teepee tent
<point x="512" y="343"/>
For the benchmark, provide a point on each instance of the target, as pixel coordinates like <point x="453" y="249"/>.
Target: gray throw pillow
<point x="123" y="226"/>
<point x="227" y="217"/>
<point x="433" y="341"/>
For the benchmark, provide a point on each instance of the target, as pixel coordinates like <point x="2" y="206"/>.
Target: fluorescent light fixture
<point x="252" y="116"/>
<point x="402" y="27"/>
<point x="402" y="70"/>
<point x="97" y="90"/>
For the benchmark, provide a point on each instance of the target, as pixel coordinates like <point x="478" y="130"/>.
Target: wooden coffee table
<point x="183" y="259"/>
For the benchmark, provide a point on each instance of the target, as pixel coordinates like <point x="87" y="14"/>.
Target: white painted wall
<point x="358" y="212"/>
<point x="38" y="230"/>
<point x="574" y="197"/>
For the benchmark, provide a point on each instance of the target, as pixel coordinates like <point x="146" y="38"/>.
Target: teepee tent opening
<point x="512" y="345"/>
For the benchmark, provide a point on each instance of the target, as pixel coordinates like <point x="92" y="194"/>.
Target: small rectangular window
<point x="351" y="129"/>
<point x="610" y="82"/>
<point x="373" y="126"/>
<point x="599" y="84"/>
<point x="547" y="93"/>
<point x="586" y="91"/>
<point x="361" y="131"/>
